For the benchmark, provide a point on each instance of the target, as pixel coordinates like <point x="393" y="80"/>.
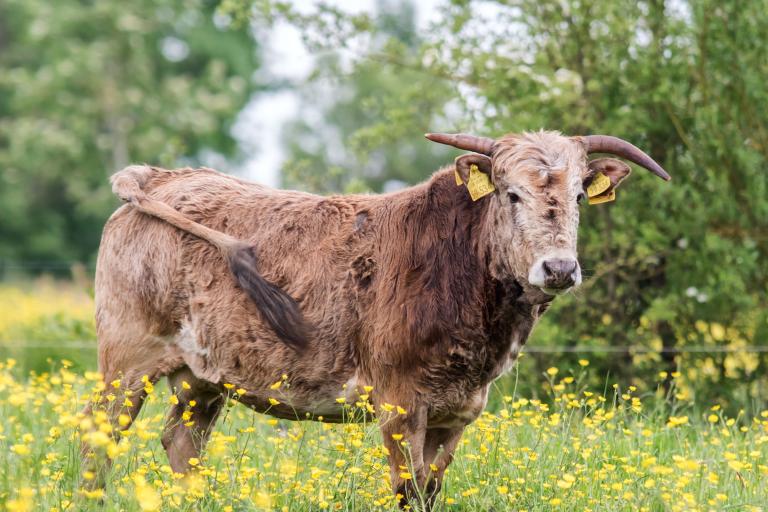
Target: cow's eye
<point x="580" y="198"/>
<point x="513" y="198"/>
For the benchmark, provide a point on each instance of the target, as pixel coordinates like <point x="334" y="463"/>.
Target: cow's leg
<point x="439" y="445"/>
<point x="184" y="439"/>
<point x="403" y="436"/>
<point x="128" y="368"/>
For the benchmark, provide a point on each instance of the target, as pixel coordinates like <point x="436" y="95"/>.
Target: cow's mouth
<point x="555" y="291"/>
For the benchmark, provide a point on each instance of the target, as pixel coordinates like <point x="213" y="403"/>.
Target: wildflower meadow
<point x="574" y="447"/>
<point x="645" y="388"/>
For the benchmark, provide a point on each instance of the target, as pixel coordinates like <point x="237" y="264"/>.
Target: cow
<point x="418" y="298"/>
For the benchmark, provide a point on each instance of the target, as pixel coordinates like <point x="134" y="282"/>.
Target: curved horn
<point x="482" y="145"/>
<point x="624" y="149"/>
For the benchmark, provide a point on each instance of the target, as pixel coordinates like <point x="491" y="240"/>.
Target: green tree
<point x="88" y="87"/>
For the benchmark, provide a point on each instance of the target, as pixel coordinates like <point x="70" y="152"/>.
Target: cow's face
<point x="540" y="180"/>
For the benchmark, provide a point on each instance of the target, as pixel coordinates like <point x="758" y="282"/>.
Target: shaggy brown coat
<point x="420" y="294"/>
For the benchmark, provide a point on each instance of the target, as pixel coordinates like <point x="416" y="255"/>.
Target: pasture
<point x="644" y="387"/>
<point x="573" y="446"/>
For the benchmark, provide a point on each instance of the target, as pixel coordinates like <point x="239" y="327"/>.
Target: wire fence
<point x="22" y="345"/>
<point x="576" y="349"/>
<point x="12" y="269"/>
<point x="43" y="265"/>
<point x="633" y="349"/>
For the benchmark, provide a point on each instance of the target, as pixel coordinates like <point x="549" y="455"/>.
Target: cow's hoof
<point x="410" y="495"/>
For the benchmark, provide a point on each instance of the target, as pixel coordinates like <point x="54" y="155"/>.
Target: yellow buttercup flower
<point x="675" y="421"/>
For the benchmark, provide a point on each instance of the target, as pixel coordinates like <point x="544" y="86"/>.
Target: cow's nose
<point x="560" y="273"/>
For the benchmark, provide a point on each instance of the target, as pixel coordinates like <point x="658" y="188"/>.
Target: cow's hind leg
<point x="129" y="368"/>
<point x="191" y="420"/>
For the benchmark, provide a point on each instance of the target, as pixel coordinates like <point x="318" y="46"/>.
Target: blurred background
<point x="335" y="96"/>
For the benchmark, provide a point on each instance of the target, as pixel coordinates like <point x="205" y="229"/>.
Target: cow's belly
<point x="325" y="409"/>
<point x="326" y="401"/>
<point x="343" y="405"/>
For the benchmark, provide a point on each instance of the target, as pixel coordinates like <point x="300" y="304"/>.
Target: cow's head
<point x="540" y="179"/>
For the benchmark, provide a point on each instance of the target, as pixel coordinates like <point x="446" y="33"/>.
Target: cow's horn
<point x="624" y="149"/>
<point x="482" y="145"/>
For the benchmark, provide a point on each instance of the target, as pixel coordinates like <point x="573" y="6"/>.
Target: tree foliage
<point x="86" y="88"/>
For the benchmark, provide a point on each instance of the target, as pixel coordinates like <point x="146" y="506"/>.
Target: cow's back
<point x="298" y="237"/>
<point x="304" y="243"/>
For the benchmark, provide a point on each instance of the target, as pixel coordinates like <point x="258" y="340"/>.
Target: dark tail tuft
<point x="277" y="308"/>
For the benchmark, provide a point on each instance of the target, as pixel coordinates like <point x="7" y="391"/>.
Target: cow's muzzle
<point x="555" y="275"/>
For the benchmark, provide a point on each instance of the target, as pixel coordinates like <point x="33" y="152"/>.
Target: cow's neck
<point x="447" y="275"/>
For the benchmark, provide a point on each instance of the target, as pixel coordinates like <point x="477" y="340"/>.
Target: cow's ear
<point x="614" y="169"/>
<point x="465" y="162"/>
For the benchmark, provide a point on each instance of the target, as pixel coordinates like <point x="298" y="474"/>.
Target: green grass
<point x="578" y="451"/>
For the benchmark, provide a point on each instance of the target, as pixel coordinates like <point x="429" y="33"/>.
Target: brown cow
<point x="423" y="294"/>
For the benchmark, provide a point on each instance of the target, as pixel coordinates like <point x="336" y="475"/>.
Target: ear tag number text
<point x="479" y="184"/>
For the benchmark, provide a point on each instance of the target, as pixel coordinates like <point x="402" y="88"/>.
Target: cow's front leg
<point x="404" y="439"/>
<point x="439" y="445"/>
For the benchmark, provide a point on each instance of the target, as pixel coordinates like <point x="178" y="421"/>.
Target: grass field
<point x="585" y="451"/>
<point x="609" y="449"/>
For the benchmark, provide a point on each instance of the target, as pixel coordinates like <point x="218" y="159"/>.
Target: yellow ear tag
<point x="596" y="191"/>
<point x="458" y="178"/>
<point x="605" y="198"/>
<point x="479" y="184"/>
<point x="600" y="183"/>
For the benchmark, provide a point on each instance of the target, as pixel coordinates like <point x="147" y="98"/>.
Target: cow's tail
<point x="277" y="308"/>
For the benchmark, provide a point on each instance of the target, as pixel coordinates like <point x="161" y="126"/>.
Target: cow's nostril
<point x="559" y="273"/>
